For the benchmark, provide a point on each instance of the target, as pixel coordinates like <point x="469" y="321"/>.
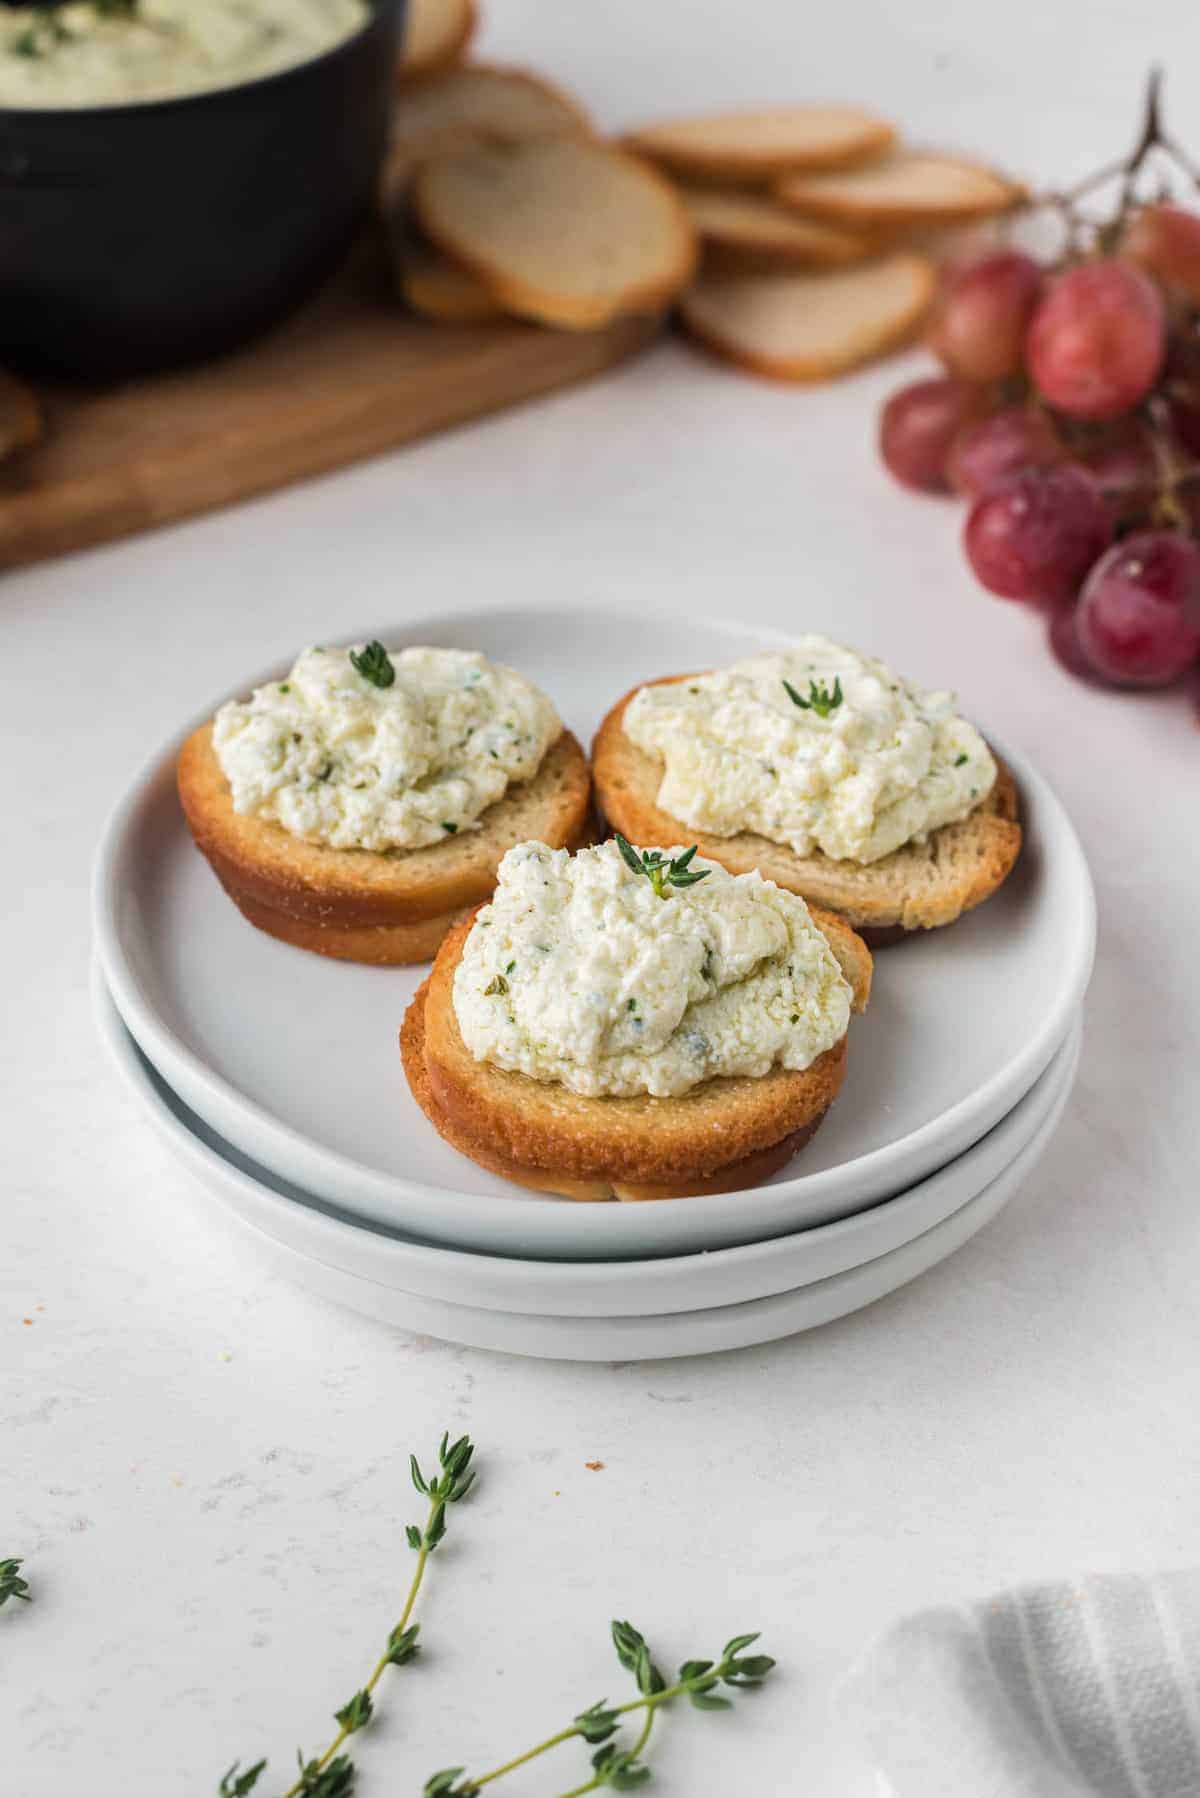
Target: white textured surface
<point x="206" y="1470"/>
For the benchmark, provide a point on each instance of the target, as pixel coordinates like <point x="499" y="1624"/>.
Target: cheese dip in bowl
<point x="175" y="175"/>
<point x="89" y="53"/>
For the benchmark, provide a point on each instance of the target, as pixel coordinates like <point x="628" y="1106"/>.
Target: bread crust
<point x="443" y="45"/>
<point x="853" y="210"/>
<point x="439" y="289"/>
<point x="748" y="165"/>
<point x="743" y="231"/>
<point x="722" y="1136"/>
<point x="570" y="311"/>
<point x="361" y="906"/>
<point x="853" y="352"/>
<point x="921" y="886"/>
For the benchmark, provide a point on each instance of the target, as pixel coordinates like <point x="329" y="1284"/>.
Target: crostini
<point x="830" y="774"/>
<point x="361" y="804"/>
<point x="634" y="1024"/>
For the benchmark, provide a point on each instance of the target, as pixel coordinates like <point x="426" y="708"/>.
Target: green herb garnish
<point x="617" y="1768"/>
<point x="374" y="664"/>
<point x="960" y="760"/>
<point x="40" y="37"/>
<point x="820" y="699"/>
<point x="660" y="872"/>
<point x="497" y="984"/>
<point x="450" y="829"/>
<point x="11" y="1583"/>
<point x="331" y="1774"/>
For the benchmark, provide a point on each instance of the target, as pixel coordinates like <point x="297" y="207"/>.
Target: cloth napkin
<point x="1083" y="1690"/>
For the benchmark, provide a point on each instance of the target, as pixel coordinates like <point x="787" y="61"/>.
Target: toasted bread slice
<point x="720" y="1137"/>
<point x="437" y="288"/>
<point x="811" y="325"/>
<point x="753" y="229"/>
<point x="562" y="230"/>
<point x="21" y="420"/>
<point x="909" y="187"/>
<point x="918" y="887"/>
<point x="436" y="32"/>
<point x="358" y="905"/>
<point x="482" y="104"/>
<point x="755" y="146"/>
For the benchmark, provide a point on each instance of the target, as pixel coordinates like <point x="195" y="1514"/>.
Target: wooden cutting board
<point x="349" y="376"/>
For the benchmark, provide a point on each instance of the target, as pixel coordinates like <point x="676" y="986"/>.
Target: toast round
<point x="909" y="187"/>
<point x="21" y="419"/>
<point x="439" y="289"/>
<point x="920" y="886"/>
<point x="721" y="1137"/>
<point x="812" y="325"/>
<point x="355" y="904"/>
<point x="559" y="229"/>
<point x="754" y="230"/>
<point x="436" y="32"/>
<point x="755" y="146"/>
<point x="482" y="103"/>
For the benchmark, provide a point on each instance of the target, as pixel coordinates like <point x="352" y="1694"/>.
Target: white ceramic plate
<point x="297" y="1221"/>
<point x="599" y="1338"/>
<point x="294" y="1060"/>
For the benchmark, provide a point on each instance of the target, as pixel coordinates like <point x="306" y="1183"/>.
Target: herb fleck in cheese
<point x="818" y="748"/>
<point x="578" y="973"/>
<point x="336" y="757"/>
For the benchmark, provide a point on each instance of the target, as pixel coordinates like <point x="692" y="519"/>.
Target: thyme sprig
<point x="373" y="662"/>
<point x="660" y="872"/>
<point x="11" y="1583"/>
<point x="821" y="699"/>
<point x="622" y="1769"/>
<point x="331" y="1774"/>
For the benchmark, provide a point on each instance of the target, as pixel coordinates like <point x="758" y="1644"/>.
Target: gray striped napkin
<point x="1085" y="1690"/>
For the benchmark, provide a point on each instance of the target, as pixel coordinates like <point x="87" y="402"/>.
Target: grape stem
<point x="1126" y="169"/>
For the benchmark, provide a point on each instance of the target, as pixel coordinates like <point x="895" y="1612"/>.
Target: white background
<point x="207" y="1470"/>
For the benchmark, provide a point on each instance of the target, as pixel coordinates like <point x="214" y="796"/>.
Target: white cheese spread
<point x="579" y="973"/>
<point x="818" y="748"/>
<point x="337" y="757"/>
<point x="89" y="54"/>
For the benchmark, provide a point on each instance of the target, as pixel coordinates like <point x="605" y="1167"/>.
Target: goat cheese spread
<point x="578" y="972"/>
<point x="113" y="52"/>
<point x="818" y="748"/>
<point x="404" y="755"/>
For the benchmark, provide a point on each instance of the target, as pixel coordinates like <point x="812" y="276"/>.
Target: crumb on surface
<point x="594" y="1466"/>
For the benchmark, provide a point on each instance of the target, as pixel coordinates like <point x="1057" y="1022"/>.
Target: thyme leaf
<point x="660" y="872"/>
<point x="11" y="1583"/>
<point x="821" y="699"/>
<point x="374" y="664"/>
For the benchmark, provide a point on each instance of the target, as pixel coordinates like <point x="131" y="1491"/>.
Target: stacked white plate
<point x="275" y="1077"/>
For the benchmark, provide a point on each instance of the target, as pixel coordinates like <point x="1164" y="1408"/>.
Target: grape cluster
<point x="1068" y="416"/>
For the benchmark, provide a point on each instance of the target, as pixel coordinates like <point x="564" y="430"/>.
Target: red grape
<point x="1183" y="405"/>
<point x="1064" y="645"/>
<point x="1096" y="343"/>
<point x="1036" y="535"/>
<point x="990" y="451"/>
<point x="979" y="328"/>
<point x="918" y="425"/>
<point x="1138" y="620"/>
<point x="1166" y="241"/>
<point x="1128" y="476"/>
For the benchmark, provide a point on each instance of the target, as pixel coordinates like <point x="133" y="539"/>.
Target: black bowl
<point x="138" y="237"/>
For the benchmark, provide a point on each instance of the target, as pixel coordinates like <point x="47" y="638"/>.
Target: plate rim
<point x="334" y="1171"/>
<point x="209" y="1167"/>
